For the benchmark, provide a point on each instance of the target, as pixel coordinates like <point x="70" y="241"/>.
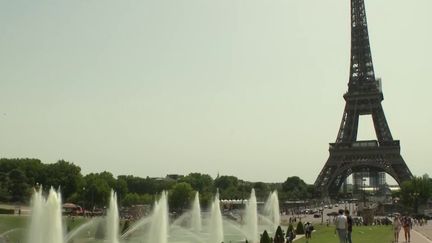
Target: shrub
<point x="265" y="238"/>
<point x="300" y="228"/>
<point x="279" y="236"/>
<point x="6" y="211"/>
<point x="290" y="228"/>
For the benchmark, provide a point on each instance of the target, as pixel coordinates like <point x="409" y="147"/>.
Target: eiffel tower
<point x="364" y="97"/>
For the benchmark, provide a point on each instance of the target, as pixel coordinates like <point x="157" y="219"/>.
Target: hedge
<point x="7" y="211"/>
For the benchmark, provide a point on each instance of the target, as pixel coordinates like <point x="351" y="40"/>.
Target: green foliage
<point x="121" y="188"/>
<point x="137" y="199"/>
<point x="415" y="192"/>
<point x="199" y="182"/>
<point x="279" y="236"/>
<point x="290" y="227"/>
<point x="300" y="228"/>
<point x="63" y="175"/>
<point x="4" y="187"/>
<point x="233" y="188"/>
<point x="206" y="198"/>
<point x="295" y="188"/>
<point x="18" y="188"/>
<point x="261" y="189"/>
<point x="180" y="196"/>
<point x="19" y="176"/>
<point x="97" y="189"/>
<point x="265" y="238"/>
<point x="225" y="182"/>
<point x="32" y="168"/>
<point x="139" y="185"/>
<point x="6" y="211"/>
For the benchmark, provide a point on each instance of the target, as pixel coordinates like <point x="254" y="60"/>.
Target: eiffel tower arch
<point x="364" y="97"/>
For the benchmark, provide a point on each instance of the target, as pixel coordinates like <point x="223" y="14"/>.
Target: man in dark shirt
<point x="350" y="224"/>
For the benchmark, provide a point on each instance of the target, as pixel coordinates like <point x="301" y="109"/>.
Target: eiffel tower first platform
<point x="364" y="97"/>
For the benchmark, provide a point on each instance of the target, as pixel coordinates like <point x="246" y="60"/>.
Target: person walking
<point x="308" y="230"/>
<point x="397" y="225"/>
<point x="349" y="224"/>
<point x="341" y="224"/>
<point x="406" y="224"/>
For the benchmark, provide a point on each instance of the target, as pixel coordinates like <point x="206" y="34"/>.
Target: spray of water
<point x="196" y="214"/>
<point x="159" y="225"/>
<point x="251" y="219"/>
<point x="271" y="209"/>
<point x="112" y="220"/>
<point x="46" y="219"/>
<point x="216" y="227"/>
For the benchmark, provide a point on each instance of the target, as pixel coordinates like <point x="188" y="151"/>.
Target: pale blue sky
<point x="241" y="87"/>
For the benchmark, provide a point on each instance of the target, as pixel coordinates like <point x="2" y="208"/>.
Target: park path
<point x="419" y="234"/>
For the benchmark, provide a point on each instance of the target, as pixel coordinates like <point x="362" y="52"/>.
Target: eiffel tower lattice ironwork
<point x="364" y="97"/>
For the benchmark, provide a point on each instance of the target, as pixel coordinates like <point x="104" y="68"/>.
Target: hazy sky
<point x="237" y="87"/>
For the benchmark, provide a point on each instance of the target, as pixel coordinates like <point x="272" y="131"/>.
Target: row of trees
<point x="18" y="177"/>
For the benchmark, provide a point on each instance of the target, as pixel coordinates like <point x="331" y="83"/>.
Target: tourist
<point x="406" y="224"/>
<point x="308" y="230"/>
<point x="397" y="225"/>
<point x="290" y="236"/>
<point x="350" y="224"/>
<point x="341" y="226"/>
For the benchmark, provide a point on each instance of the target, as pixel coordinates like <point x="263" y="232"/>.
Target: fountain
<point x="159" y="224"/>
<point x="216" y="226"/>
<point x="46" y="219"/>
<point x="112" y="220"/>
<point x="194" y="226"/>
<point x="271" y="210"/>
<point x="251" y="219"/>
<point x="196" y="215"/>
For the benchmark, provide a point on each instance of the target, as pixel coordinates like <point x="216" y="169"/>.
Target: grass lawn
<point x="14" y="226"/>
<point x="324" y="234"/>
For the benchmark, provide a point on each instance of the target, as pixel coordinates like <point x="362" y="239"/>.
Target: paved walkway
<point x="419" y="234"/>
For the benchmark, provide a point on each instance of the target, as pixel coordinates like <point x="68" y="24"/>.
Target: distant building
<point x="174" y="177"/>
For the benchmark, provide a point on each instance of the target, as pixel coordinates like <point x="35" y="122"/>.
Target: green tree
<point x="261" y="189"/>
<point x="180" y="196"/>
<point x="228" y="187"/>
<point x="18" y="188"/>
<point x="199" y="182"/>
<point x="290" y="227"/>
<point x="140" y="185"/>
<point x="416" y="192"/>
<point x="131" y="199"/>
<point x="265" y="238"/>
<point x="279" y="236"/>
<point x="206" y="199"/>
<point x="97" y="189"/>
<point x="295" y="188"/>
<point x="225" y="182"/>
<point x="33" y="169"/>
<point x="121" y="188"/>
<point x="300" y="228"/>
<point x="4" y="187"/>
<point x="65" y="176"/>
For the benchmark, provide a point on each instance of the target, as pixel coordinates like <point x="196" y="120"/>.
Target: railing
<point x="365" y="144"/>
